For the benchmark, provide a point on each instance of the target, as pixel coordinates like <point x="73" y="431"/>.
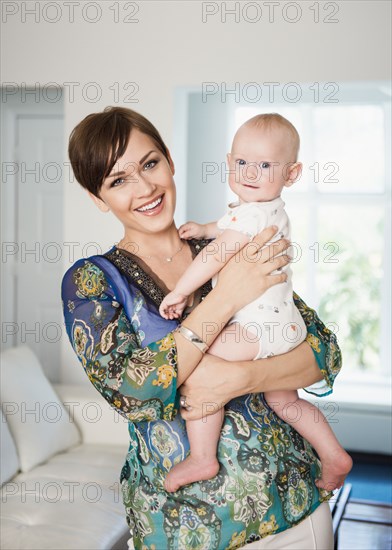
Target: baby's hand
<point x="173" y="305"/>
<point x="191" y="230"/>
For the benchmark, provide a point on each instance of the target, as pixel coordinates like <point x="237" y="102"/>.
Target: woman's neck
<point x="163" y="244"/>
<point x="165" y="255"/>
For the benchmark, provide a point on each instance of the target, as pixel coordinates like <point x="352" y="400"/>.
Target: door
<point x="34" y="226"/>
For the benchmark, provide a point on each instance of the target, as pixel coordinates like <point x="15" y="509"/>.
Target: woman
<point x="137" y="360"/>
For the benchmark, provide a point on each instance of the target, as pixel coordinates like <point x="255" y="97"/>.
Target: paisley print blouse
<point x="267" y="470"/>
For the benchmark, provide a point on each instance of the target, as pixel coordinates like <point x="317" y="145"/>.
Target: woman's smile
<point x="152" y="208"/>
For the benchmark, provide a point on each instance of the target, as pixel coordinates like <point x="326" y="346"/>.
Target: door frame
<point x="34" y="102"/>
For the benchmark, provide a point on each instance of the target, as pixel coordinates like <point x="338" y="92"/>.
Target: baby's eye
<point x="241" y="162"/>
<point x="265" y="165"/>
<point x="150" y="164"/>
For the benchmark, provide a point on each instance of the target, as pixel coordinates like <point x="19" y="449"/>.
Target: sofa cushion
<point x="72" y="501"/>
<point x="38" y="421"/>
<point x="96" y="420"/>
<point x="8" y="456"/>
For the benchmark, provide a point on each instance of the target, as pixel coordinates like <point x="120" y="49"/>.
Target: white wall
<point x="171" y="46"/>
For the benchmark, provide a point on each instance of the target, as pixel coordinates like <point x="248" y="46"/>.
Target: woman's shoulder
<point x="95" y="263"/>
<point x="198" y="244"/>
<point x="91" y="275"/>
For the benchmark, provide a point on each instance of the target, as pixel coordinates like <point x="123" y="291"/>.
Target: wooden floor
<point x="366" y="526"/>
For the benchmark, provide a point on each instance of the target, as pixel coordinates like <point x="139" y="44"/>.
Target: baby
<point x="263" y="160"/>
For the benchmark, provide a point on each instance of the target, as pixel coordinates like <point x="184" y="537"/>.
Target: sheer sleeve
<point x="139" y="382"/>
<point x="325" y="348"/>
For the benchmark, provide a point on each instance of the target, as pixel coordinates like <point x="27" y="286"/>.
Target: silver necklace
<point x="167" y="259"/>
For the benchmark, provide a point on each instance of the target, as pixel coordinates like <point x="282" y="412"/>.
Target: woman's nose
<point x="144" y="187"/>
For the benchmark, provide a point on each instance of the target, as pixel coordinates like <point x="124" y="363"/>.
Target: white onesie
<point x="273" y="317"/>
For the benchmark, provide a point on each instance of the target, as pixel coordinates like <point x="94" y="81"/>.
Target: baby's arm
<point x="207" y="264"/>
<point x="193" y="230"/>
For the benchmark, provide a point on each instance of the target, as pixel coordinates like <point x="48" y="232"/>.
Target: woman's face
<point x="140" y="189"/>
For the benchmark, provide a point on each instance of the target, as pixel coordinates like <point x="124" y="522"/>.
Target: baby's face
<point x="260" y="163"/>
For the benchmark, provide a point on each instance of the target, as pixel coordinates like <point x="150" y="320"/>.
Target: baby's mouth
<point x="250" y="186"/>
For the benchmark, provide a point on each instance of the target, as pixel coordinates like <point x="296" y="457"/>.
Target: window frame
<point x="350" y="93"/>
<point x="354" y="93"/>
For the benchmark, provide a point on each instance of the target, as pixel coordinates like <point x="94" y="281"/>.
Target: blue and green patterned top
<point x="267" y="470"/>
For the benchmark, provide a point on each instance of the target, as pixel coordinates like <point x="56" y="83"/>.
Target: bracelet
<point x="189" y="335"/>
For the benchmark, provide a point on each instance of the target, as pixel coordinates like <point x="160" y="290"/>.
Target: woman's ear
<point x="99" y="202"/>
<point x="293" y="173"/>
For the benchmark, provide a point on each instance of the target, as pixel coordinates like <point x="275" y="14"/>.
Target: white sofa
<point x="62" y="450"/>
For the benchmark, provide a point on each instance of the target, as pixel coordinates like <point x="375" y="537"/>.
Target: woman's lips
<point x="154" y="211"/>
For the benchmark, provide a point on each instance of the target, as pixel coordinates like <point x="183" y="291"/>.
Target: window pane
<point x="299" y="212"/>
<point x="348" y="259"/>
<point x="349" y="148"/>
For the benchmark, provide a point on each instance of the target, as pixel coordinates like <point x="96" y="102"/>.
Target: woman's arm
<point x="216" y="381"/>
<point x="289" y="371"/>
<point x="141" y="382"/>
<point x="315" y="363"/>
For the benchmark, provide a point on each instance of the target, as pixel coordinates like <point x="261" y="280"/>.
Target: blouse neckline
<point x="137" y="272"/>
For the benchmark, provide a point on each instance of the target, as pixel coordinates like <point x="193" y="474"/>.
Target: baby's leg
<point x="313" y="426"/>
<point x="233" y="343"/>
<point x="201" y="463"/>
<point x="236" y="343"/>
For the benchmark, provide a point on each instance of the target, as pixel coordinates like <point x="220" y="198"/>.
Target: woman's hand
<point x="211" y="385"/>
<point x="248" y="274"/>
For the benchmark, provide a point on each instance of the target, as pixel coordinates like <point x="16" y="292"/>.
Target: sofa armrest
<point x="96" y="420"/>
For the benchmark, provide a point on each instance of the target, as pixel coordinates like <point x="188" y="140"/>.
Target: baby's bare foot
<point x="334" y="469"/>
<point x="190" y="470"/>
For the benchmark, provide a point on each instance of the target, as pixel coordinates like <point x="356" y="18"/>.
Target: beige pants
<point x="313" y="533"/>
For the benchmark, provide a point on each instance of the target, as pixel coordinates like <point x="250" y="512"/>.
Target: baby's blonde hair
<point x="272" y="121"/>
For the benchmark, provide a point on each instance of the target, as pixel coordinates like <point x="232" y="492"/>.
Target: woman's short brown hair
<point x="100" y="139"/>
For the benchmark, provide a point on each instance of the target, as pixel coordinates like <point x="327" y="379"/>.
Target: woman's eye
<point x="150" y="164"/>
<point x="265" y="165"/>
<point x="117" y="182"/>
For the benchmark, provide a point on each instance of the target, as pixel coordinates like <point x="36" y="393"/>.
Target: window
<point x="339" y="209"/>
<point x="340" y="215"/>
